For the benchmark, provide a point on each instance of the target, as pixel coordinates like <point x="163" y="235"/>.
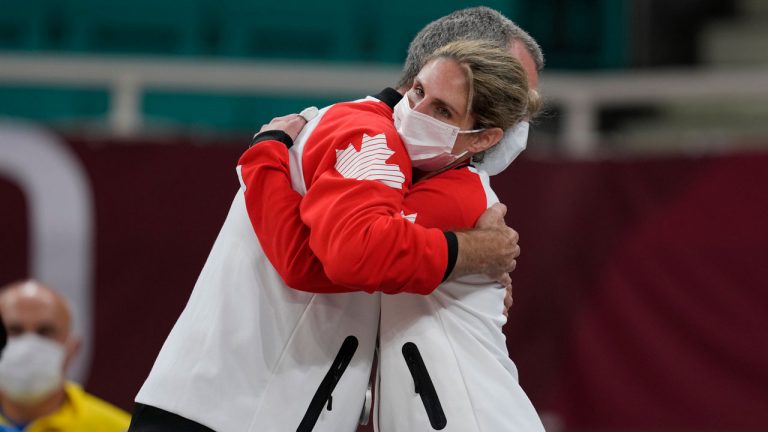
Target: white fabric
<point x="31" y="368"/>
<point x="457" y="330"/>
<point x="248" y="353"/>
<point x="309" y="113"/>
<point x="507" y="150"/>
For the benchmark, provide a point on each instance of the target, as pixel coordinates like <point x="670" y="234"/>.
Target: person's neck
<point x="21" y="414"/>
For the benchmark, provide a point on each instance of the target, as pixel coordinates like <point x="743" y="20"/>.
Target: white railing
<point x="579" y="95"/>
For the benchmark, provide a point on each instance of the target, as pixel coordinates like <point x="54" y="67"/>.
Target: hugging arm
<point x="366" y="245"/>
<point x="344" y="235"/>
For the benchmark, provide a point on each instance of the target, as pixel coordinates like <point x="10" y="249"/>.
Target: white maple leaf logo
<point x="370" y="163"/>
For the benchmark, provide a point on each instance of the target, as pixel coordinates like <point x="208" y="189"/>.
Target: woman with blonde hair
<point x="443" y="358"/>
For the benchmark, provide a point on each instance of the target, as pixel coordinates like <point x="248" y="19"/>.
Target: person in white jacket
<point x="449" y="343"/>
<point x="443" y="358"/>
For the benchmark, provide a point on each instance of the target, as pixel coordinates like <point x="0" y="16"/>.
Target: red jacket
<point x="349" y="234"/>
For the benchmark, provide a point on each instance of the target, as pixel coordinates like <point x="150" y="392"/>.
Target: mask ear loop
<point x="461" y="158"/>
<point x="470" y="131"/>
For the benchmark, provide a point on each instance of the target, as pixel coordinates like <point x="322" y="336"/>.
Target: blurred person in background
<point x="3" y="336"/>
<point x="34" y="395"/>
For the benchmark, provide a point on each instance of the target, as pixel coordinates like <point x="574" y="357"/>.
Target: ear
<point x="486" y="139"/>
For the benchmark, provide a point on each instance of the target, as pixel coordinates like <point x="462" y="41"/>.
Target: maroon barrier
<point x="639" y="296"/>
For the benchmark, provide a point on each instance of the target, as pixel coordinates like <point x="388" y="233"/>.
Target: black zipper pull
<point x="424" y="387"/>
<point x="323" y="396"/>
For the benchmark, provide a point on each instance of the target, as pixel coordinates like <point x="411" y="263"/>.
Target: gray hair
<point x="476" y="23"/>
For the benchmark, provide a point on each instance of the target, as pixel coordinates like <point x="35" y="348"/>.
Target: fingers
<point x="504" y="279"/>
<point x="493" y="217"/>
<point x="291" y="124"/>
<point x="512" y="266"/>
<point x="512" y="235"/>
<point x="490" y="251"/>
<point x="515" y="255"/>
<point x="510" y="250"/>
<point x="500" y="208"/>
<point x="508" y="300"/>
<point x="309" y="113"/>
<point x="516" y="250"/>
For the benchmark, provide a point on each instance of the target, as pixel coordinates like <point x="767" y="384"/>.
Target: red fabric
<point x="452" y="200"/>
<point x="273" y="208"/>
<point x="355" y="228"/>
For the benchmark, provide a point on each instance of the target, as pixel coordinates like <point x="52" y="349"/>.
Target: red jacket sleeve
<point x="353" y="210"/>
<point x="273" y="209"/>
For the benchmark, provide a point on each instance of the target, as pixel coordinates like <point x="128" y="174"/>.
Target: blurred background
<point x="642" y="199"/>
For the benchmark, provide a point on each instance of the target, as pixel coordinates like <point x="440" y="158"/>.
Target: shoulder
<point x="359" y="140"/>
<point x="369" y="115"/>
<point x="94" y="411"/>
<point x="451" y="200"/>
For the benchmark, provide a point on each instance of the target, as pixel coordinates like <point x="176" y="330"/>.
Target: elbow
<point x="292" y="281"/>
<point x="344" y="272"/>
<point x="353" y="273"/>
<point x="299" y="276"/>
<point x="341" y="274"/>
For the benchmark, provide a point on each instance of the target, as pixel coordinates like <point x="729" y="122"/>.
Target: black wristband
<point x="453" y="252"/>
<point x="273" y="135"/>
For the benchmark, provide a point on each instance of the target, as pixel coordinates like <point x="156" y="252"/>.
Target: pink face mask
<point x="429" y="141"/>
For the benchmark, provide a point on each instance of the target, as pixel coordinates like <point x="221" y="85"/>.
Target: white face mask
<point x="509" y="147"/>
<point x="31" y="368"/>
<point x="429" y="141"/>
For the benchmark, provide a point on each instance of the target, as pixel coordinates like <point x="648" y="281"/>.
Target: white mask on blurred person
<point x="498" y="158"/>
<point x="429" y="141"/>
<point x="31" y="368"/>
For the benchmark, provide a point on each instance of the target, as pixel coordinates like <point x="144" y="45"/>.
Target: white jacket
<point x="444" y="363"/>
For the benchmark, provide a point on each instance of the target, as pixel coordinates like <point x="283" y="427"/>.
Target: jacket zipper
<point x="424" y="386"/>
<point x="324" y="393"/>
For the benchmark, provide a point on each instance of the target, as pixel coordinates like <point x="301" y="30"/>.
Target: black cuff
<point x="453" y="252"/>
<point x="272" y="135"/>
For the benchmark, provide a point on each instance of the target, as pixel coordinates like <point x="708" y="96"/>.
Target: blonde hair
<point x="498" y="92"/>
